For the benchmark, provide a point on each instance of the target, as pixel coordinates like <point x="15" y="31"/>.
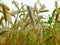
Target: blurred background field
<point x="29" y="22"/>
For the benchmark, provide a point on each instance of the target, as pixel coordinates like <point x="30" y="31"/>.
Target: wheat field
<point x="29" y="28"/>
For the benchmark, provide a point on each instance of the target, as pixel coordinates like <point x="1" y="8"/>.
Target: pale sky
<point x="50" y="4"/>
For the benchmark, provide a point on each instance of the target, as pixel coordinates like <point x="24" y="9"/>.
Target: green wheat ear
<point x="51" y="18"/>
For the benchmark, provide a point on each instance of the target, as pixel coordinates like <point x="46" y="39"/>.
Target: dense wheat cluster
<point x="29" y="28"/>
